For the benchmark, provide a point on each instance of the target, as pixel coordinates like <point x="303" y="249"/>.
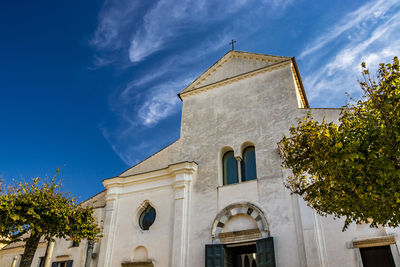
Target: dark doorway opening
<point x="259" y="253"/>
<point x="377" y="257"/>
<point x="241" y="256"/>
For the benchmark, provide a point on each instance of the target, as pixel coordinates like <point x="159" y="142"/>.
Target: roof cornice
<point x="224" y="59"/>
<point x="235" y="78"/>
<point x="299" y="83"/>
<point x="172" y="169"/>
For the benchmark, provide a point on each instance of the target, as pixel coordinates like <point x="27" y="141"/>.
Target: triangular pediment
<point x="234" y="63"/>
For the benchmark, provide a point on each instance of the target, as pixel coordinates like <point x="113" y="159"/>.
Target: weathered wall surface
<point x="256" y="110"/>
<point x="233" y="67"/>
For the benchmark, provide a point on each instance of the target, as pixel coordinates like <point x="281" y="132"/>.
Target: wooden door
<point x="265" y="252"/>
<point x="215" y="255"/>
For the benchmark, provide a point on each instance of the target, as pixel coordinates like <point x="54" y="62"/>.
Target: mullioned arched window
<point x="248" y="164"/>
<point x="230" y="168"/>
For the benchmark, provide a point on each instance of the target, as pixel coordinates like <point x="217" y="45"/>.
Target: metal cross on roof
<point x="232" y="43"/>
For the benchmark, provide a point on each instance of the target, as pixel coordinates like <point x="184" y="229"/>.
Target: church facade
<point x="215" y="197"/>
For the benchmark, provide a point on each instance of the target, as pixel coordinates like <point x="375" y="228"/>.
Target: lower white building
<point x="215" y="197"/>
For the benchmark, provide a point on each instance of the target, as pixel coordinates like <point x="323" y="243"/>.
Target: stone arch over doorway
<point x="239" y="209"/>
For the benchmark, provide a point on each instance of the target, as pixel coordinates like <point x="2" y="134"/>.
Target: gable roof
<point x="227" y="70"/>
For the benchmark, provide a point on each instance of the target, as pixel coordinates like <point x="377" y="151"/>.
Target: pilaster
<point x="109" y="226"/>
<point x="182" y="188"/>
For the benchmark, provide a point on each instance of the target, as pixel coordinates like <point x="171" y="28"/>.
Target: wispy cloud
<point x="161" y="102"/>
<point x="143" y="28"/>
<point x="370" y="12"/>
<point x="370" y="34"/>
<point x="168" y="19"/>
<point x="137" y="32"/>
<point x="114" y="23"/>
<point x="153" y="96"/>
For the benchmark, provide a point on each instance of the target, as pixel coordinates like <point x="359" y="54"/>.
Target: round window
<point x="147" y="218"/>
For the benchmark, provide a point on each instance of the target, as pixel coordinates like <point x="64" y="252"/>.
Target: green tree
<point x="352" y="169"/>
<point x="36" y="209"/>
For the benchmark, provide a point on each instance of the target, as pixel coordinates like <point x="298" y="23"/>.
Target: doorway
<point x="258" y="253"/>
<point x="241" y="255"/>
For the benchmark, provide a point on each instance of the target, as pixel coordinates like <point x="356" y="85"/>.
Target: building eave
<point x="300" y="83"/>
<point x="236" y="78"/>
<point x="225" y="58"/>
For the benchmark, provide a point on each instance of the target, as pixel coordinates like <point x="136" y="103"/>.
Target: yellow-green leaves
<point x="352" y="170"/>
<point x="41" y="208"/>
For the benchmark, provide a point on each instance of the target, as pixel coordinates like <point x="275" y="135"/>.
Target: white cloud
<point x="161" y="103"/>
<point x="371" y="11"/>
<point x="375" y="38"/>
<point x="115" y="18"/>
<point x="142" y="28"/>
<point x="167" y="19"/>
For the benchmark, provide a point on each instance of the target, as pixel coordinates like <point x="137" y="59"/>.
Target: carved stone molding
<point x="303" y="98"/>
<point x="237" y="209"/>
<point x="239" y="236"/>
<point x="374" y="242"/>
<point x="63" y="258"/>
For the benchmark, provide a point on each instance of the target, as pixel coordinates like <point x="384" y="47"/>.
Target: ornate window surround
<point x="142" y="207"/>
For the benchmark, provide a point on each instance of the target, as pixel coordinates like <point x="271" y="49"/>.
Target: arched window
<point x="248" y="166"/>
<point x="230" y="168"/>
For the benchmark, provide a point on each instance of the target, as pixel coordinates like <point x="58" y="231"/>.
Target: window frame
<point x="142" y="215"/>
<point x="223" y="179"/>
<point x="225" y="171"/>
<point x="243" y="164"/>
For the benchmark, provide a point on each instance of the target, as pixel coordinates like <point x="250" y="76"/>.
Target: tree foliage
<point x="36" y="209"/>
<point x="352" y="169"/>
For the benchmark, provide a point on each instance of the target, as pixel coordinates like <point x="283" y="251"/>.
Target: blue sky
<point x="91" y="86"/>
